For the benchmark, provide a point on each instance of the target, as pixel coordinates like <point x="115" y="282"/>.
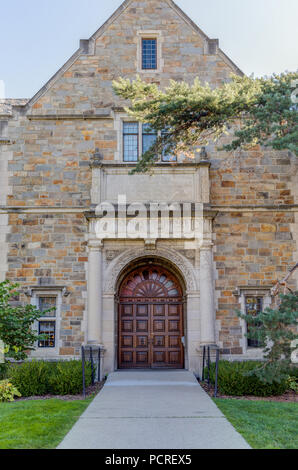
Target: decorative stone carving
<point x="28" y="292"/>
<point x="96" y="159"/>
<point x="65" y="292"/>
<point x="189" y="254"/>
<point x="150" y="244"/>
<point x="111" y="254"/>
<point x="95" y="245"/>
<point x="119" y="263"/>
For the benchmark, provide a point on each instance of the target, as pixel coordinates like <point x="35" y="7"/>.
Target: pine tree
<point x="258" y="111"/>
<point x="275" y="329"/>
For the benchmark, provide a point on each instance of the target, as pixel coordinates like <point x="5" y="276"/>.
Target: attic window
<point x="149" y="51"/>
<point x="149" y="54"/>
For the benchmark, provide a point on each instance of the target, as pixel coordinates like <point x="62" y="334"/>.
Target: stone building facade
<point x="149" y="301"/>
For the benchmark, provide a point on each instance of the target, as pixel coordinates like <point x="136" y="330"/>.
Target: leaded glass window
<point x="47" y="328"/>
<point x="46" y="303"/>
<point x="130" y="141"/>
<point x="253" y="306"/>
<point x="149" y="54"/>
<point x="149" y="137"/>
<point x="138" y="138"/>
<point x="167" y="157"/>
<point x="47" y="325"/>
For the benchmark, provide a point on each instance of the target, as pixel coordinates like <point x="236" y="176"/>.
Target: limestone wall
<point x="46" y="179"/>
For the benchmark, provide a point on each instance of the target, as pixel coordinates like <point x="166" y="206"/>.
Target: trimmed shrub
<point x="67" y="378"/>
<point x="39" y="378"/>
<point x="232" y="380"/>
<point x="30" y="378"/>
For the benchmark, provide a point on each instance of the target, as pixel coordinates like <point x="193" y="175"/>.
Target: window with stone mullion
<point x="130" y="141"/>
<point x="149" y="137"/>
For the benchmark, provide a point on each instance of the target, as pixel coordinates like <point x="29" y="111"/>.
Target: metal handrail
<point x="91" y="359"/>
<point x="206" y="350"/>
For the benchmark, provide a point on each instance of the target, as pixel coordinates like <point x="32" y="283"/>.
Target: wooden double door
<point x="151" y="328"/>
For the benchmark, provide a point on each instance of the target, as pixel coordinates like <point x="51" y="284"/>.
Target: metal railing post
<point x="203" y="371"/>
<point x="83" y="371"/>
<point x="208" y="367"/>
<point x="92" y="366"/>
<point x="99" y="365"/>
<point x="216" y="373"/>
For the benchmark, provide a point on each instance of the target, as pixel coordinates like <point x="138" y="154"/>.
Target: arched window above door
<point x="149" y="282"/>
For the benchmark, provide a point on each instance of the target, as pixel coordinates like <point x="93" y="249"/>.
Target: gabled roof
<point x="87" y="47"/>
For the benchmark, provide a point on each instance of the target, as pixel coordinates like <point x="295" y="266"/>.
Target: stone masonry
<point x="46" y="147"/>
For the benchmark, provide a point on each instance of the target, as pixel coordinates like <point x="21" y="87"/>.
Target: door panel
<point x="150" y="336"/>
<point x="150" y="320"/>
<point x="167" y="348"/>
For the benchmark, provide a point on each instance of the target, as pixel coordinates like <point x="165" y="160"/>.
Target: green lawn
<point x="39" y="424"/>
<point x="42" y="424"/>
<point x="264" y="425"/>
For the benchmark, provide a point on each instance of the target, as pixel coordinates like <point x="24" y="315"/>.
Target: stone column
<point x="94" y="324"/>
<point x="207" y="307"/>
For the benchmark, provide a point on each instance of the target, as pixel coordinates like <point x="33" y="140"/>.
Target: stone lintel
<point x="46" y="288"/>
<point x="253" y="290"/>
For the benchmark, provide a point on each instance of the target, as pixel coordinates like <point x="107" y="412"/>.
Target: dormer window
<point x="149" y="53"/>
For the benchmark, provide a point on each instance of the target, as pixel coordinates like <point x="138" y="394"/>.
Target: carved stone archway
<point x="119" y="264"/>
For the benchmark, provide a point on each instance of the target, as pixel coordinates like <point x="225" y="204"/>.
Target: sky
<point x="38" y="36"/>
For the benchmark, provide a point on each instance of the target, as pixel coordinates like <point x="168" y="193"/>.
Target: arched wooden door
<point x="150" y="320"/>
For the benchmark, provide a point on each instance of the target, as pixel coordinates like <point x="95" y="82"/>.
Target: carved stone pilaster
<point x="207" y="306"/>
<point x="94" y="332"/>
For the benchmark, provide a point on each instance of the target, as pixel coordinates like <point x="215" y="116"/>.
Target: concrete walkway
<point x="153" y="410"/>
